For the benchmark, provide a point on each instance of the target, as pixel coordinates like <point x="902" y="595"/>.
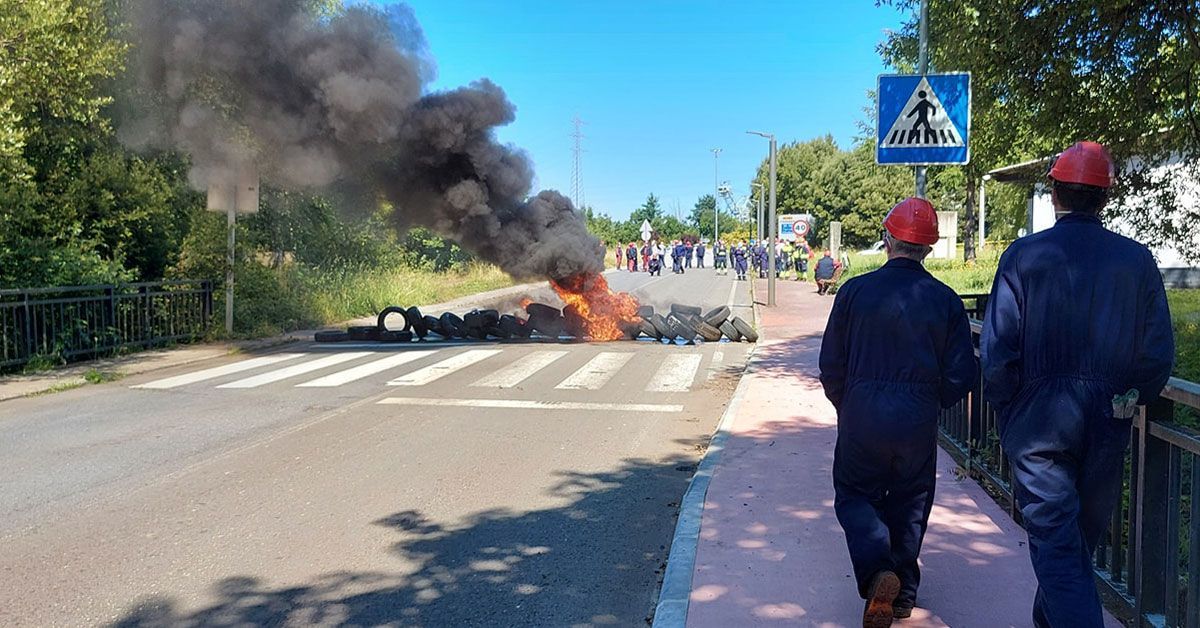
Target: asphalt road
<point x="485" y="484"/>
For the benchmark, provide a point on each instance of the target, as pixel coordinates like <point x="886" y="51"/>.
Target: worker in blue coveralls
<point x="1077" y="319"/>
<point x="699" y="255"/>
<point x="897" y="349"/>
<point x="739" y="260"/>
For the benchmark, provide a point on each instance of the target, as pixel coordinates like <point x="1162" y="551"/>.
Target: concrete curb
<point x="676" y="591"/>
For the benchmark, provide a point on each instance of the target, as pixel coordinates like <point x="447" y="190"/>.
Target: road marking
<point x="516" y="372"/>
<point x="676" y="373"/>
<point x="219" y="371"/>
<point x="596" y="373"/>
<point x="293" y="371"/>
<point x="715" y="365"/>
<point x="517" y="404"/>
<point x="366" y="370"/>
<point x="437" y="371"/>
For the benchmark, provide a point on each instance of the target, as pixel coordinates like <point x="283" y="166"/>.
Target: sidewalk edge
<point x="676" y="590"/>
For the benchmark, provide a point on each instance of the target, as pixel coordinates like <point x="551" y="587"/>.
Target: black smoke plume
<point x="314" y="101"/>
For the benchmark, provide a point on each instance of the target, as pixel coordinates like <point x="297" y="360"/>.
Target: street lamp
<point x="758" y="227"/>
<point x="716" y="192"/>
<point x="771" y="227"/>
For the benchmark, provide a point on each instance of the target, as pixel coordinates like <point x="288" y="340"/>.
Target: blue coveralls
<point x="1077" y="315"/>
<point x="687" y="256"/>
<point x="739" y="261"/>
<point x="896" y="350"/>
<point x="699" y="256"/>
<point x="762" y="261"/>
<point x="677" y="259"/>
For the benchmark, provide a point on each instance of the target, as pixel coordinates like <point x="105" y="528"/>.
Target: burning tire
<point x="331" y="336"/>
<point x="381" y="322"/>
<point x="706" y="331"/>
<point x="363" y="332"/>
<point x="661" y="326"/>
<point x="685" y="310"/>
<point x="540" y="310"/>
<point x="645" y="311"/>
<point x="552" y="326"/>
<point x="717" y="316"/>
<point x="745" y="329"/>
<point x="576" y="323"/>
<point x="730" y="331"/>
<point x="416" y="321"/>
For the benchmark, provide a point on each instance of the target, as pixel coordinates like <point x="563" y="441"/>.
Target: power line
<point x="577" y="169"/>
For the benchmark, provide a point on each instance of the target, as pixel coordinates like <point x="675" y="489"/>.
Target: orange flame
<point x="606" y="314"/>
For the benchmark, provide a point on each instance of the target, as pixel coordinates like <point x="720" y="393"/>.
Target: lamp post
<point x="771" y="228"/>
<point x="759" y="217"/>
<point x="716" y="192"/>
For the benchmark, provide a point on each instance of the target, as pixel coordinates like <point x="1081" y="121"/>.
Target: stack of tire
<point x="544" y="321"/>
<point x="685" y="322"/>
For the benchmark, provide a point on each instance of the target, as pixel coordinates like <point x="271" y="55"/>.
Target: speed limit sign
<point x="800" y="228"/>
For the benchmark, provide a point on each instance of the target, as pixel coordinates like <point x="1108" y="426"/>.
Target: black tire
<point x="680" y="330"/>
<point x="473" y="320"/>
<point x="491" y="318"/>
<point x="717" y="316"/>
<point x="540" y="310"/>
<point x="331" y="336"/>
<point x="416" y="321"/>
<point x="521" y="328"/>
<point x="453" y="325"/>
<point x="433" y="324"/>
<point x="381" y="321"/>
<point x="496" y="331"/>
<point x="552" y="326"/>
<point x="363" y="332"/>
<point x="395" y="336"/>
<point x="745" y="329"/>
<point x="684" y="325"/>
<point x="662" y="326"/>
<point x="685" y="310"/>
<point x="646" y="311"/>
<point x="647" y="329"/>
<point x="730" y="331"/>
<point x="706" y="331"/>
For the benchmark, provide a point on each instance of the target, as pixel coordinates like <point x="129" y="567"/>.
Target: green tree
<point x="701" y="217"/>
<point x="650" y="210"/>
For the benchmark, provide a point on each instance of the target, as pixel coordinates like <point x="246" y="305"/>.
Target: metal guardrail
<point x="1149" y="561"/>
<point x="85" y="321"/>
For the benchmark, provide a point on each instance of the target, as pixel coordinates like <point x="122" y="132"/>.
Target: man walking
<point x="1077" y="317"/>
<point x="896" y="350"/>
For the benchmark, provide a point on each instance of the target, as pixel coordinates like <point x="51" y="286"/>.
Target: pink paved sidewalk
<point x="771" y="551"/>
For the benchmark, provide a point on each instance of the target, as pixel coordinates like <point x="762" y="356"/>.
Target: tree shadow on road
<point x="595" y="560"/>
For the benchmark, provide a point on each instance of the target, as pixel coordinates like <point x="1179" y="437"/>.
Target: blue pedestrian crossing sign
<point x="923" y="119"/>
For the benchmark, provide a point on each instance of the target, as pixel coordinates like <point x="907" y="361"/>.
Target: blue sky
<point x="660" y="83"/>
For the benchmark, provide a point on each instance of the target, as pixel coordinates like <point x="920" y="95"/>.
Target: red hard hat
<point x="1087" y="163"/>
<point x="913" y="220"/>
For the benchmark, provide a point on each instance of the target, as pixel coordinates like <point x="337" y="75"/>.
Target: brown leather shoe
<point x="878" y="613"/>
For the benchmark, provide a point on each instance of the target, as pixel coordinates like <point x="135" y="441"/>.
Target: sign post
<point x="647" y="231"/>
<point x="233" y="197"/>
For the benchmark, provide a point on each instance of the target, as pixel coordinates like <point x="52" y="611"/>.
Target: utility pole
<point x="923" y="68"/>
<point x="716" y="193"/>
<point x="758" y="220"/>
<point x="772" y="229"/>
<point x="577" y="169"/>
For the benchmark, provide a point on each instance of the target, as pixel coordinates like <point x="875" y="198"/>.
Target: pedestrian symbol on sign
<point x="932" y="126"/>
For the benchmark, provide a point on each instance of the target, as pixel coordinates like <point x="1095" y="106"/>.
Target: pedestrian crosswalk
<point x="494" y="368"/>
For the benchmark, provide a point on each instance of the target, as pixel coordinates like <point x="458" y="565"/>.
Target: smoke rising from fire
<point x="341" y="100"/>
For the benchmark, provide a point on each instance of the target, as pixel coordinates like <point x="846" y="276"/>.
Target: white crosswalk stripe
<point x="676" y="373"/>
<point x="437" y="371"/>
<point x="596" y="373"/>
<point x="293" y="371"/>
<point x="219" y="371"/>
<point x="366" y="370"/>
<point x="520" y="370"/>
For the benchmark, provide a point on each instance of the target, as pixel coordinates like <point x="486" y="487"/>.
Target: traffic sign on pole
<point x="647" y="231"/>
<point x="923" y="119"/>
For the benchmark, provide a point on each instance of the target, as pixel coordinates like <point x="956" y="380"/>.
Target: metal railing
<point x="1149" y="561"/>
<point x="77" y="322"/>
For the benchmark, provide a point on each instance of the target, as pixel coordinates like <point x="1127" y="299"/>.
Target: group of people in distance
<point x="790" y="257"/>
<point x="652" y="256"/>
